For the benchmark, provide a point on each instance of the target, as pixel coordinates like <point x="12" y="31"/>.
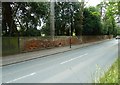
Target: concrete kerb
<point x="46" y="55"/>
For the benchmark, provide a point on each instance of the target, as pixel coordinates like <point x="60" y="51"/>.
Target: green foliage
<point x="109" y="13"/>
<point x="91" y="22"/>
<point x="28" y="16"/>
<point x="118" y="30"/>
<point x="119" y="7"/>
<point x="112" y="12"/>
<point x="31" y="17"/>
<point x="46" y="29"/>
<point x="66" y="14"/>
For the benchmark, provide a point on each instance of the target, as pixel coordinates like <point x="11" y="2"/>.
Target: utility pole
<point x="0" y="19"/>
<point x="70" y="22"/>
<point x="52" y="15"/>
<point x="0" y="32"/>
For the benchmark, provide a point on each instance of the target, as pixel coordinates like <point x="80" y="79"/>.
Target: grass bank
<point x="111" y="76"/>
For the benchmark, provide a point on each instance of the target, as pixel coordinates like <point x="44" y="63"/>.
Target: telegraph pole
<point x="70" y="20"/>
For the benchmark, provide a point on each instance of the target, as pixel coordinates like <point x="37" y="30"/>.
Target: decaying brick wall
<point x="38" y="43"/>
<point x="14" y="45"/>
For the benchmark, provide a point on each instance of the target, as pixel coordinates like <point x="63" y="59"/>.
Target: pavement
<point x="17" y="58"/>
<point x="81" y="65"/>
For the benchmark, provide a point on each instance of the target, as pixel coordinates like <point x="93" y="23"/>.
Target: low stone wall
<point x="37" y="43"/>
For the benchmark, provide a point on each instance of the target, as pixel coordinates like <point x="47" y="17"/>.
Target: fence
<point x="10" y="45"/>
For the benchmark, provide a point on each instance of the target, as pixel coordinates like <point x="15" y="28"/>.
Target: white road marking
<point x="73" y="58"/>
<point x="21" y="77"/>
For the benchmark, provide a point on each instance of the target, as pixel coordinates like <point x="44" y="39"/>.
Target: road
<point x="77" y="66"/>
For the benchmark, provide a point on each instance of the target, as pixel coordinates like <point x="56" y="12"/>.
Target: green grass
<point x="111" y="76"/>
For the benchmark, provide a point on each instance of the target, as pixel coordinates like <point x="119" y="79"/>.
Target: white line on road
<point x="21" y="77"/>
<point x="73" y="58"/>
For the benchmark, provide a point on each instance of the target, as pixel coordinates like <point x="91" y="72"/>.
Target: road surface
<point x="82" y="65"/>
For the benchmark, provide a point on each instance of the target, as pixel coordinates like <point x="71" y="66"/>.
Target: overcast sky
<point x="92" y="2"/>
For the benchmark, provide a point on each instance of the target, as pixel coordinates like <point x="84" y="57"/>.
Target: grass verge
<point x="111" y="76"/>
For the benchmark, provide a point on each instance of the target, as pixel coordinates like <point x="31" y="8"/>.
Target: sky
<point x="92" y="2"/>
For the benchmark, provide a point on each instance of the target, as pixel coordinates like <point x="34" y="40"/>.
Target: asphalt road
<point x="83" y="65"/>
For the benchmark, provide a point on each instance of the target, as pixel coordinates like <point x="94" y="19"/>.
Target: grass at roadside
<point x="111" y="76"/>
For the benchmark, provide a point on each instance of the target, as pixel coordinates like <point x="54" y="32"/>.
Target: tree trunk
<point x="52" y="27"/>
<point x="8" y="18"/>
<point x="81" y="20"/>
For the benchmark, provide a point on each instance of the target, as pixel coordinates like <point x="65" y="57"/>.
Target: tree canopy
<point x="33" y="18"/>
<point x="92" y="23"/>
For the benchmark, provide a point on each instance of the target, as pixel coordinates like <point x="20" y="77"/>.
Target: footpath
<point x="13" y="59"/>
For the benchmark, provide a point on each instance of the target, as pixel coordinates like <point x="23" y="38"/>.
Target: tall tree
<point x="52" y="15"/>
<point x="109" y="18"/>
<point x="27" y="17"/>
<point x="66" y="14"/>
<point x="81" y="19"/>
<point x="91" y="22"/>
<point x="9" y="26"/>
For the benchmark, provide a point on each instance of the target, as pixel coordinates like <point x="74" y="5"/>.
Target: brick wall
<point x="38" y="43"/>
<point x="13" y="45"/>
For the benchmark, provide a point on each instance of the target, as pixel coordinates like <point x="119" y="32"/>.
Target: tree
<point x="52" y="15"/>
<point x="91" y="22"/>
<point x="109" y="18"/>
<point x="9" y="26"/>
<point x="27" y="16"/>
<point x="67" y="14"/>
